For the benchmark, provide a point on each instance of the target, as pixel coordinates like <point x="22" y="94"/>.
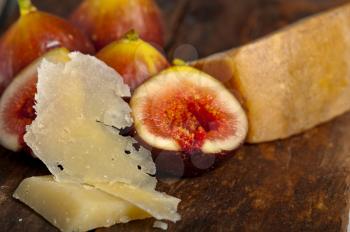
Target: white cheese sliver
<point x="74" y="207"/>
<point x="74" y="103"/>
<point x="159" y="205"/>
<point x="79" y="109"/>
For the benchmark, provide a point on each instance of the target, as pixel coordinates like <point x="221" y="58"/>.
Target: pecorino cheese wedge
<point x="75" y="207"/>
<point x="292" y="80"/>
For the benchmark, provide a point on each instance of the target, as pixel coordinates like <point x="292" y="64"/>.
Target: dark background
<point x="298" y="184"/>
<point x="209" y="25"/>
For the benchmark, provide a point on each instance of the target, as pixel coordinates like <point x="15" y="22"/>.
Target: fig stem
<point x="179" y="62"/>
<point x="132" y="35"/>
<point x="26" y="6"/>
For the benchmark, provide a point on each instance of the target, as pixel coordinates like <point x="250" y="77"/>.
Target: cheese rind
<point x="75" y="207"/>
<point x="292" y="80"/>
<point x="161" y="206"/>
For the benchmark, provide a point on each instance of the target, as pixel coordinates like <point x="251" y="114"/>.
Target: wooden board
<point x="298" y="184"/>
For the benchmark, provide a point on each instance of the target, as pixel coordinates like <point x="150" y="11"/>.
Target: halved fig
<point x="16" y="103"/>
<point x="190" y="113"/>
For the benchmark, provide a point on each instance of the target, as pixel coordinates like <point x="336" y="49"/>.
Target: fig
<point x="108" y="20"/>
<point x="16" y="103"/>
<point x="134" y="59"/>
<point x="33" y="34"/>
<point x="189" y="118"/>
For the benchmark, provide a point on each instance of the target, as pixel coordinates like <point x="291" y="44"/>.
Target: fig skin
<point x="134" y="59"/>
<point x="179" y="164"/>
<point x="105" y="21"/>
<point x="167" y="163"/>
<point x="32" y="35"/>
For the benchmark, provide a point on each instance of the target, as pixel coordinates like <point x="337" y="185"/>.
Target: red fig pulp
<point x="183" y="109"/>
<point x="17" y="101"/>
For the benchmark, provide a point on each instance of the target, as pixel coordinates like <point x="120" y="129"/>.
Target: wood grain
<point x="213" y="26"/>
<point x="298" y="184"/>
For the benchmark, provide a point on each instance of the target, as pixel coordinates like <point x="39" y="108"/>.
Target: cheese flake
<point x="75" y="207"/>
<point x="80" y="112"/>
<point x="79" y="109"/>
<point x="159" y="205"/>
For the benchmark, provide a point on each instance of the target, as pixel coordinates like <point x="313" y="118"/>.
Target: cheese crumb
<point x="160" y="225"/>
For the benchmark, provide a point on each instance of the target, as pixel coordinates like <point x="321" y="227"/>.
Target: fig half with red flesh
<point x="17" y="101"/>
<point x="134" y="59"/>
<point x="185" y="110"/>
<point x="32" y="35"/>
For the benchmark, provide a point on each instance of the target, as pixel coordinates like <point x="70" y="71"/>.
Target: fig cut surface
<point x="16" y="103"/>
<point x="184" y="109"/>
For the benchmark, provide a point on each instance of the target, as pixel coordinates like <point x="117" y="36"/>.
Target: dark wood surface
<point x="298" y="184"/>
